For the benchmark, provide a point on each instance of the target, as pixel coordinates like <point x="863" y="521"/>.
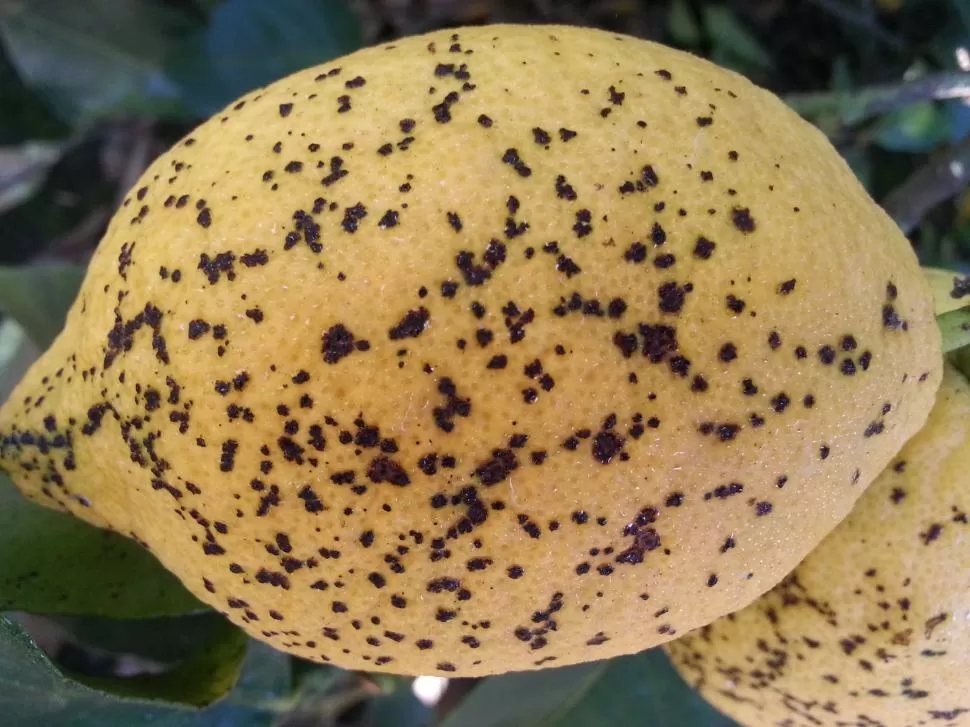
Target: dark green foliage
<point x="54" y="563"/>
<point x="249" y="43"/>
<point x="39" y="296"/>
<point x="644" y="688"/>
<point x="33" y="691"/>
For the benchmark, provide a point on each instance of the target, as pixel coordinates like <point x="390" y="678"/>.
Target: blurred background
<point x="92" y="90"/>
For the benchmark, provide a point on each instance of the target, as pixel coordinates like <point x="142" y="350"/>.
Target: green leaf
<point x="732" y="40"/>
<point x="250" y="43"/>
<point x="34" y="692"/>
<point x="205" y="676"/>
<point x="312" y="678"/>
<point x="51" y="562"/>
<point x="266" y="680"/>
<point x="400" y="708"/>
<point x="89" y="58"/>
<point x="589" y="695"/>
<point x="23" y="169"/>
<point x="39" y="296"/>
<point x="955" y="328"/>
<point x="17" y="353"/>
<point x="957" y="114"/>
<point x="842" y="76"/>
<point x="163" y="640"/>
<point x="682" y="25"/>
<point x="25" y="115"/>
<point x="961" y="359"/>
<point x="916" y="128"/>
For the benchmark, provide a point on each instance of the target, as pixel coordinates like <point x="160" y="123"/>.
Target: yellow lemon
<point x="491" y="349"/>
<point x="872" y="628"/>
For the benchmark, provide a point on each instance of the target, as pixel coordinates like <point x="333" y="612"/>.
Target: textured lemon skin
<point x="873" y="628"/>
<point x="486" y="350"/>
